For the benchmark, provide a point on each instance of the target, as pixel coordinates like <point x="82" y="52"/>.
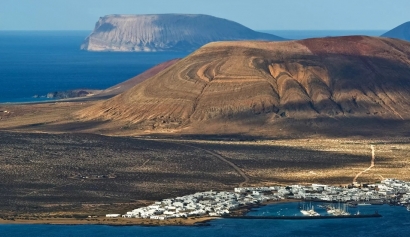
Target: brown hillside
<point x="128" y="84"/>
<point x="261" y="83"/>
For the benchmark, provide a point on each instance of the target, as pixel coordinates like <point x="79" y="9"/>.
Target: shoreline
<point x="190" y="221"/>
<point x="197" y="221"/>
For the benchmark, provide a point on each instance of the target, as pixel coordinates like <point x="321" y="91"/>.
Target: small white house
<point x="113" y="215"/>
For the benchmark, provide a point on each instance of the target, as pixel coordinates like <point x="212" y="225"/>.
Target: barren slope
<point x="263" y="83"/>
<point x="128" y="84"/>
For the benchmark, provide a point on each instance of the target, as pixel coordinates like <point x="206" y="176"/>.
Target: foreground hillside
<point x="165" y="32"/>
<point x="264" y="87"/>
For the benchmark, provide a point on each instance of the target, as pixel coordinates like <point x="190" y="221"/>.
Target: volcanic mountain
<point x="258" y="85"/>
<point x="400" y="32"/>
<point x="165" y="32"/>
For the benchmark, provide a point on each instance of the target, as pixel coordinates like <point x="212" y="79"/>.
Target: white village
<point x="222" y="203"/>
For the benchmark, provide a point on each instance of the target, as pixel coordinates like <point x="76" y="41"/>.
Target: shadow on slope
<point x="353" y="84"/>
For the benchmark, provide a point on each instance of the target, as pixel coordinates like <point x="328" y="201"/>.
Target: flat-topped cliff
<point x="165" y="32"/>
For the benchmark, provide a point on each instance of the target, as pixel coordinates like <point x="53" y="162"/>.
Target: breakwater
<point x="375" y="215"/>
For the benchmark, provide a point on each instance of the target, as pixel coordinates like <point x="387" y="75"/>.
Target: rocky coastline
<point x="68" y="94"/>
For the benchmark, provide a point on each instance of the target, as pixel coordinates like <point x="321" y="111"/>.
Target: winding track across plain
<point x="236" y="168"/>
<point x="371" y="165"/>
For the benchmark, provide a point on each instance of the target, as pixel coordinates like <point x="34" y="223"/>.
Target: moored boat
<point x="340" y="211"/>
<point x="309" y="212"/>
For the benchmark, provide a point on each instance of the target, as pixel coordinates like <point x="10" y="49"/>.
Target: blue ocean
<point x="395" y="221"/>
<point x="38" y="62"/>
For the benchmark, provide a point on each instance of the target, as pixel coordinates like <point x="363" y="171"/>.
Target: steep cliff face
<point x="400" y="32"/>
<point x="165" y="32"/>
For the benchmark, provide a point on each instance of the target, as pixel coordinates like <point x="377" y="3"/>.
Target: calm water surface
<point x="35" y="63"/>
<point x="395" y="222"/>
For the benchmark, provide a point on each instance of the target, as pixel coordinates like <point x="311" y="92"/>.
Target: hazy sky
<point x="256" y="14"/>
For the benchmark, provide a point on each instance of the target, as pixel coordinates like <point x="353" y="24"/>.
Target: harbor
<point x="235" y="204"/>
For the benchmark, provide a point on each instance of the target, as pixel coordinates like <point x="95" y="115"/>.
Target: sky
<point x="255" y="14"/>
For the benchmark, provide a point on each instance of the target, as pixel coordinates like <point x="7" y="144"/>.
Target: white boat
<point x="304" y="212"/>
<point x="341" y="211"/>
<point x="313" y="213"/>
<point x="309" y="212"/>
<point x="408" y="208"/>
<point x="330" y="210"/>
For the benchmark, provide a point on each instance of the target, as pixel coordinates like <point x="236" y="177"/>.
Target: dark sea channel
<point x="395" y="221"/>
<point x="39" y="62"/>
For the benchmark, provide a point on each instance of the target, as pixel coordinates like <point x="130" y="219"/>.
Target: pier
<point x="375" y="215"/>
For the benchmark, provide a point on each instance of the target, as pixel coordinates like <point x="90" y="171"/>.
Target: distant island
<point x="165" y="32"/>
<point x="400" y="32"/>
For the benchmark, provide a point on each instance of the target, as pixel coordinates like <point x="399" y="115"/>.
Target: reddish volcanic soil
<point x="254" y="86"/>
<point x="128" y="84"/>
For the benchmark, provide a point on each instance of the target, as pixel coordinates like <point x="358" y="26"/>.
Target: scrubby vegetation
<point x="70" y="174"/>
